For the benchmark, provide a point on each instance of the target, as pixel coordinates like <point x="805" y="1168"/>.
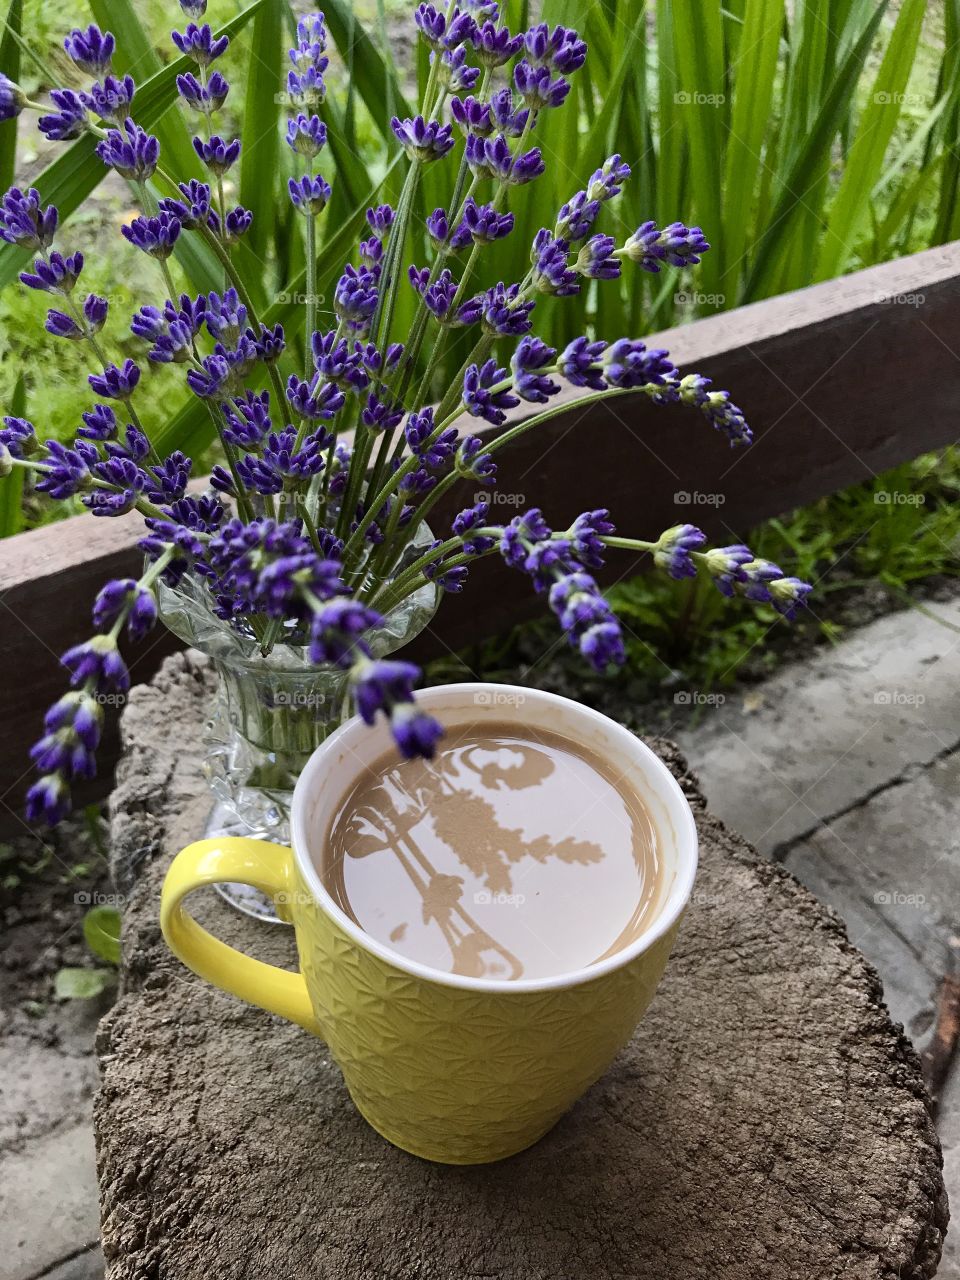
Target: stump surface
<point x="767" y="1122"/>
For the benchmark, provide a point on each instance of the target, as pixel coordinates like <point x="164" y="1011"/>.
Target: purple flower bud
<point x="48" y="801"/>
<point x="194" y="8"/>
<point x="473" y="463"/>
<point x="217" y="155"/>
<point x="596" y="261"/>
<point x="579" y="364"/>
<point x="537" y="88"/>
<point x="207" y="97"/>
<point x="576" y="218"/>
<point x="529" y="359"/>
<point x="194" y="210"/>
<point x="562" y="49"/>
<point x="315" y="400"/>
<point x="198" y="43"/>
<point x="430" y="24"/>
<point x="336" y="631"/>
<point x="69" y="121"/>
<point x="225" y="316"/>
<point x="306" y="135"/>
<point x="63" y="326"/>
<point x="12" y="99"/>
<point x="100" y="423"/>
<point x="551" y="272"/>
<point x="472" y="116"/>
<point x="504" y="313"/>
<point x="788" y="595"/>
<point x="509" y="118"/>
<point x="95" y="311"/>
<point x="91" y="50"/>
<point x="18" y="437"/>
<point x="111" y="100"/>
<point x="673" y="550"/>
<point x="68" y="471"/>
<point x="116" y="383"/>
<point x="717" y="408"/>
<point x="627" y="363"/>
<point x="155" y="236"/>
<point x="484" y="223"/>
<point x="24" y="222"/>
<point x="310" y="194"/>
<point x="306" y="88"/>
<point x="355" y="297"/>
<point x="455" y="74"/>
<point x="124" y="596"/>
<point x="481" y="399"/>
<point x="133" y="153"/>
<point x="724" y="566"/>
<point x="380" y="220"/>
<point x="56" y="274"/>
<point x="475" y="517"/>
<point x="677" y="244"/>
<point x="495" y="45"/>
<point x="608" y="180"/>
<point x="423" y="141"/>
<point x="97" y="661"/>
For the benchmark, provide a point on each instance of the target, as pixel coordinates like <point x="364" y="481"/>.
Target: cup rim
<point x="656" y="773"/>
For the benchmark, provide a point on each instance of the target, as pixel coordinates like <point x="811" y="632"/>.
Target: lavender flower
<point x="99" y="423"/>
<point x="628" y="363"/>
<point x="472" y="116"/>
<point x="387" y="686"/>
<point x="486" y="393"/>
<point x="116" y="383"/>
<point x="484" y="223"/>
<point x="155" y="236"/>
<point x="717" y="408"/>
<point x="473" y="464"/>
<point x="55" y="274"/>
<point x="18" y="437"/>
<point x="677" y="244"/>
<point x="537" y="87"/>
<point x="587" y="619"/>
<point x="596" y="261"/>
<point x="125" y="598"/>
<point x="725" y="564"/>
<point x="674" y="547"/>
<point x="380" y="220"/>
<point x="199" y="44"/>
<point x="70" y="118"/>
<point x="504" y="313"/>
<point x="133" y="153"/>
<point x="422" y="141"/>
<point x="509" y="117"/>
<point x="12" y="99"/>
<point x="455" y="74"/>
<point x="68" y="471"/>
<point x="430" y="24"/>
<point x="217" y="155"/>
<point x="493" y="158"/>
<point x="207" y="97"/>
<point x="579" y="364"/>
<point x="310" y="194"/>
<point x="306" y="135"/>
<point x="315" y="400"/>
<point x="355" y="298"/>
<point x="527" y="364"/>
<point x="91" y="50"/>
<point x="193" y="210"/>
<point x="112" y="99"/>
<point x="24" y="221"/>
<point x="495" y="45"/>
<point x="551" y="271"/>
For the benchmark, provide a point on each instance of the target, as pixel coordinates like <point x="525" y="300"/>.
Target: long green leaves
<point x="10" y="63"/>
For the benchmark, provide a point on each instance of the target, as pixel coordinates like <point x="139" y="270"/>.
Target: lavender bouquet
<point x="312" y="533"/>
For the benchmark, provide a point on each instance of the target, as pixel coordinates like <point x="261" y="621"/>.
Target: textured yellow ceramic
<point x="458" y="1070"/>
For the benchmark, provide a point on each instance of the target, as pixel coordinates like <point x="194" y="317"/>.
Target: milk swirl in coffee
<point x="514" y="853"/>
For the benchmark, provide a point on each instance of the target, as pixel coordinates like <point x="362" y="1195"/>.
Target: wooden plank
<point x="839" y="381"/>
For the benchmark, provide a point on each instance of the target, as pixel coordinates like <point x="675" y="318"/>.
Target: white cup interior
<point x="336" y="766"/>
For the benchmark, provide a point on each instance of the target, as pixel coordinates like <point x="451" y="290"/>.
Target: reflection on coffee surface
<point x="515" y="853"/>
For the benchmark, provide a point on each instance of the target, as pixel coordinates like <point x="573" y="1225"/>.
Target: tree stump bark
<point x="767" y="1122"/>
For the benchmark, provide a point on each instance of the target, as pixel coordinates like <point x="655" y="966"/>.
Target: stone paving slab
<point x="820" y="736"/>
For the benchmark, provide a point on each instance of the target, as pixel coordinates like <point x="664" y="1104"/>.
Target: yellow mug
<point x="456" y="1069"/>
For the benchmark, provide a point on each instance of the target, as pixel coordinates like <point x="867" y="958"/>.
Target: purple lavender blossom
<point x="472" y="116"/>
<point x="336" y="629"/>
<point x="586" y="534"/>
<point x="423" y="141"/>
<point x="674" y="547"/>
<point x="355" y="298"/>
<point x="112" y="99"/>
<point x="380" y="220"/>
<point x="587" y="619"/>
<point x="315" y="400"/>
<point x="596" y="260"/>
<point x="551" y="271"/>
<point x="492" y="157"/>
<point x="504" y="313"/>
<point x="55" y="274"/>
<point x="18" y="437"/>
<point x="208" y="97"/>
<point x="125" y="597"/>
<point x="306" y="135"/>
<point x="239" y="222"/>
<point x="473" y="463"/>
<point x="155" y="236"/>
<point x="508" y="116"/>
<point x="12" y="99"/>
<point x="219" y="156"/>
<point x="483" y="222"/>
<point x="194" y="209"/>
<point x="116" y="383"/>
<point x="580" y="364"/>
<point x="724" y="565"/>
<point x="430" y="23"/>
<point x="310" y="194"/>
<point x="649" y="246"/>
<point x="91" y="50"/>
<point x="132" y="153"/>
<point x="628" y="363"/>
<point x="99" y="423"/>
<point x="495" y="45"/>
<point x="475" y="517"/>
<point x="562" y="49"/>
<point x="538" y="88"/>
<point x="456" y="75"/>
<point x="24" y="221"/>
<point x="717" y="408"/>
<point x="479" y="397"/>
<point x="198" y="43"/>
<point x="386" y="685"/>
<point x="68" y="121"/>
<point x="527" y="364"/>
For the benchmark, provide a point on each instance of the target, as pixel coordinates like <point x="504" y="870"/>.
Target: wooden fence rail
<point x="839" y="381"/>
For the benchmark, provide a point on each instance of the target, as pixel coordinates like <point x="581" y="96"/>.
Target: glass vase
<point x="269" y="713"/>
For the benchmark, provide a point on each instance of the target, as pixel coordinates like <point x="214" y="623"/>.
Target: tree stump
<point x="767" y="1122"/>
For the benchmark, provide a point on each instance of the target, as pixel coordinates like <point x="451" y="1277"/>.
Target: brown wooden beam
<point x="840" y="381"/>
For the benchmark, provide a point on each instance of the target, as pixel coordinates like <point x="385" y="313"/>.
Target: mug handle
<point x="267" y="867"/>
